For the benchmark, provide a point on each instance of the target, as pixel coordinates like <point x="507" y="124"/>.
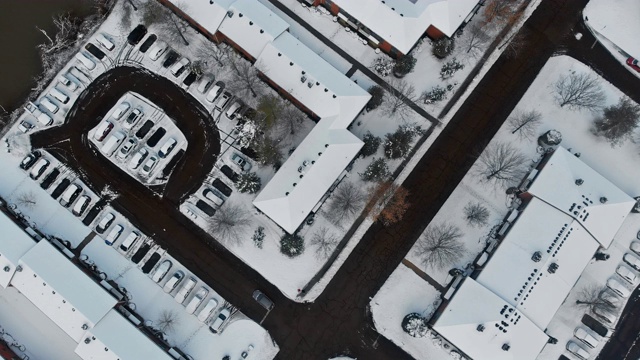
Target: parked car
<point x="193" y="304"/>
<point x="114" y="234"/>
<point x="618" y="288"/>
<point x="45" y="119"/>
<point x="189" y="79"/>
<point x="105" y="222"/>
<point x="132" y="119"/>
<point x="205" y="83"/>
<point x="632" y="260"/>
<point x="81" y="205"/>
<point x="205" y="208"/>
<point x="228" y="172"/>
<point x="214" y="196"/>
<point x="126" y="148"/>
<point x="137" y="34"/>
<point x="161" y="271"/>
<point x="103" y="130"/>
<point x="112" y="143"/>
<point x="147" y="43"/>
<point x="206" y="311"/>
<point x="121" y="110"/>
<point x="59" y="95"/>
<point x="578" y="351"/>
<point x="222" y="187"/>
<point x="583" y="335"/>
<point x="633" y="63"/>
<point x="635" y="247"/>
<point x="95" y="51"/>
<point x="178" y="68"/>
<point x="612" y="298"/>
<point x="85" y="61"/>
<point x="224" y="99"/>
<point x="167" y="147"/>
<point x="151" y="262"/>
<point x="220" y="320"/>
<point x="70" y="195"/>
<point x="171" y="58"/>
<point x="138" y="158"/>
<point x="149" y="165"/>
<point x="105" y="42"/>
<point x="46" y="103"/>
<point x="64" y="80"/>
<point x="144" y="129"/>
<point x="39" y="168"/>
<point x="212" y="95"/>
<point x="157" y="50"/>
<point x="234" y="109"/>
<point x="25" y="126"/>
<point x="606" y="316"/>
<point x="174" y="281"/>
<point x="241" y="162"/>
<point x="627" y="274"/>
<point x="263" y="300"/>
<point x="129" y="241"/>
<point x="185" y="290"/>
<point x="29" y="160"/>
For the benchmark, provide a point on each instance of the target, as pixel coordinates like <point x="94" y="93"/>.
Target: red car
<point x="633" y="62"/>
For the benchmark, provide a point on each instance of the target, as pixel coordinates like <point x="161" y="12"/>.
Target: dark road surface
<point x="338" y="322"/>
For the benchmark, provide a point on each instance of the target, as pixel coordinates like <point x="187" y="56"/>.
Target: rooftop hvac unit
<point x="87" y="340"/>
<point x="310" y="84"/>
<point x="506" y="347"/>
<point x="480" y="328"/>
<point x="303" y="78"/>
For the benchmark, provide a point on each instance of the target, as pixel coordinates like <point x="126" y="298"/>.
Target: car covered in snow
<point x="138" y="158"/>
<point x="157" y="50"/>
<point x="81" y="205"/>
<point x="114" y="234"/>
<point x="126" y="148"/>
<point x="197" y="299"/>
<point x="133" y="118"/>
<point x="205" y="83"/>
<point x="25" y="126"/>
<point x="121" y="110"/>
<point x="129" y="241"/>
<point x="206" y="311"/>
<point x="39" y="168"/>
<point x="632" y="260"/>
<point x="29" y="160"/>
<point x="635" y="247"/>
<point x="212" y="95"/>
<point x="149" y="165"/>
<point x="178" y="68"/>
<point x="577" y="350"/>
<point x="161" y="271"/>
<point x="185" y="290"/>
<point x="627" y="274"/>
<point x="70" y="195"/>
<point x="103" y="130"/>
<point x="174" y="281"/>
<point x="618" y="288"/>
<point x="583" y="335"/>
<point x="220" y="320"/>
<point x="241" y="162"/>
<point x="64" y="80"/>
<point x="105" y="222"/>
<point x="167" y="147"/>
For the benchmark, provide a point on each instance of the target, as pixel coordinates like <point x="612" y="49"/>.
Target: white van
<point x="112" y="143"/>
<point x="197" y="300"/>
<point x="130" y="240"/>
<point x="70" y="195"/>
<point x="185" y="290"/>
<point x="49" y="105"/>
<point x="206" y="311"/>
<point x="581" y="334"/>
<point x="88" y="63"/>
<point x="45" y="119"/>
<point x="59" y="95"/>
<point x="167" y="147"/>
<point x="104" y="42"/>
<point x="114" y="234"/>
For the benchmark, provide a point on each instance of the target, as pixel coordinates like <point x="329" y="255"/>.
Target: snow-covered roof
<point x="318" y="161"/>
<point x="61" y="290"/>
<point x="209" y="14"/>
<point x="402" y="22"/>
<point x="556" y="184"/>
<point x="617" y="20"/>
<point x="14" y="243"/>
<point x="117" y="339"/>
<point x="526" y="284"/>
<point x="252" y="26"/>
<point x="473" y="307"/>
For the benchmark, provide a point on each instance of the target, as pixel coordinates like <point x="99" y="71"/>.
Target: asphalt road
<point x="339" y="321"/>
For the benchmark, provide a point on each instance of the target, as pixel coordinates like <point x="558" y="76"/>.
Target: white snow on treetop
<point x="528" y="285"/>
<point x="122" y="340"/>
<point x="61" y="290"/>
<point x="402" y="22"/>
<point x="617" y="20"/>
<point x="318" y="161"/>
<point x="473" y="306"/>
<point x="556" y="184"/>
<point x="14" y="244"/>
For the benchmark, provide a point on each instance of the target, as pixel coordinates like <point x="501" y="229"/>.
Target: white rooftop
<point x="617" y="20"/>
<point x="318" y="161"/>
<point x="252" y="26"/>
<point x="528" y="285"/>
<point x="556" y="185"/>
<point x="61" y="290"/>
<point x="14" y="243"/>
<point x="402" y="22"/>
<point x="474" y="305"/>
<point x="209" y="14"/>
<point x="115" y="338"/>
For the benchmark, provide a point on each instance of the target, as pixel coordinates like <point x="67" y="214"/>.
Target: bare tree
<point x="218" y="53"/>
<point x="289" y="121"/>
<point x="271" y="107"/>
<point x="155" y="13"/>
<point x="26" y="200"/>
<point x="525" y="123"/>
<point x="516" y="44"/>
<point x="617" y="121"/>
<point x="244" y="80"/>
<point x="579" y="91"/>
<point x="499" y="9"/>
<point x="589" y="298"/>
<point x="229" y="223"/>
<point x="440" y="245"/>
<point x="397" y="98"/>
<point x="388" y="203"/>
<point x="346" y="202"/>
<point x="476" y="214"/>
<point x="500" y="163"/>
<point x="168" y="321"/>
<point x="65" y="38"/>
<point x="268" y="151"/>
<point x="324" y="242"/>
<point x="473" y="41"/>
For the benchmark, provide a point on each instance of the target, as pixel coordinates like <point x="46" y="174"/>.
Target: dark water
<point x="19" y="61"/>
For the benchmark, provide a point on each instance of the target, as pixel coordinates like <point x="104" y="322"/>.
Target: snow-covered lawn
<point x="403" y="293"/>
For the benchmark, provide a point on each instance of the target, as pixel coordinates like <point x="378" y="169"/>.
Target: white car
<point x="174" y="281"/>
<point x="120" y="110"/>
<point x="149" y="165"/>
<point x="581" y="334"/>
<point x="126" y="148"/>
<point x="212" y="95"/>
<point x="179" y="67"/>
<point x="132" y="119"/>
<point x="157" y="50"/>
<point x="205" y="83"/>
<point x="632" y="260"/>
<point x="206" y="311"/>
<point x="577" y="350"/>
<point x="618" y="288"/>
<point x="161" y="271"/>
<point x="220" y="319"/>
<point x="635" y="247"/>
<point x="138" y="158"/>
<point x="197" y="300"/>
<point x="627" y="274"/>
<point x="609" y="296"/>
<point x="64" y="80"/>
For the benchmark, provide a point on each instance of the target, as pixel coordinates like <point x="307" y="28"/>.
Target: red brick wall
<point x="434" y="33"/>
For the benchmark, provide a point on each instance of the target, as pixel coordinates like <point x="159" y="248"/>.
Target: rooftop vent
<point x="85" y="327"/>
<point x="537" y="256"/>
<point x="579" y="182"/>
<point x="603" y="199"/>
<point x="480" y="328"/>
<point x="310" y="84"/>
<point x="19" y="268"/>
<point x="87" y="340"/>
<point x="230" y="13"/>
<point x="553" y="268"/>
<point x="506" y="347"/>
<point x="6" y="269"/>
<point x="303" y="78"/>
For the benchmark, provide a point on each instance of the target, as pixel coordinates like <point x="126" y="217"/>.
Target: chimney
<point x="579" y="182"/>
<point x="506" y="347"/>
<point x="603" y="199"/>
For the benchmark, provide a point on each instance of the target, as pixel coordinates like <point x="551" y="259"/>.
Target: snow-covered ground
<point x="618" y="164"/>
<point x="616" y="21"/>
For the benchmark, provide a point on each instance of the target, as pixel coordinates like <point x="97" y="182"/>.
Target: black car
<point x="50" y="178"/>
<point x="190" y="79"/>
<point x="147" y="43"/>
<point x="153" y="260"/>
<point x="206" y="208"/>
<point x="170" y="59"/>
<point x="232" y="175"/>
<point x="142" y="251"/>
<point x="137" y="34"/>
<point x="95" y="51"/>
<point x="218" y="184"/>
<point x="156" y="136"/>
<point x="64" y="184"/>
<point x="144" y="129"/>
